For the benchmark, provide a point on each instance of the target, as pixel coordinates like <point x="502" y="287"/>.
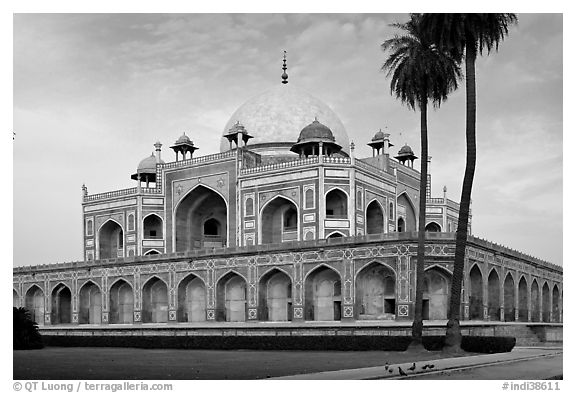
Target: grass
<point x="181" y="364"/>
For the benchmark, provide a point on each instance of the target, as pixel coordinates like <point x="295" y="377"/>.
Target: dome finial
<point x="284" y="74"/>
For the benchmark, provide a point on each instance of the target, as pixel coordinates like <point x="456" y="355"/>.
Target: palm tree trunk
<point x="453" y="334"/>
<point x="417" y="325"/>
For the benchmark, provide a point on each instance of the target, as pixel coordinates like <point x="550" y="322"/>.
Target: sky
<point x="93" y="92"/>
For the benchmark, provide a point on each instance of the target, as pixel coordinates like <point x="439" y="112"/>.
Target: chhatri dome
<point x="276" y="117"/>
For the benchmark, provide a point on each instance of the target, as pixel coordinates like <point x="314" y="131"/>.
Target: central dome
<point x="276" y="117"/>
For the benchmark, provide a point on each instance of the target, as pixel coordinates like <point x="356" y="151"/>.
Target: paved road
<point x="534" y="369"/>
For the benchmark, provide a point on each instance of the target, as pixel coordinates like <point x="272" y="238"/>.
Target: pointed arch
<point x="231" y="296"/>
<point x="375" y="286"/>
<point x="154" y="300"/>
<point x="555" y="303"/>
<point x="335" y="234"/>
<point x="546" y="306"/>
<point x="197" y="205"/>
<point x="410" y="217"/>
<point x="375" y="214"/>
<point x="191" y="291"/>
<point x="152" y="252"/>
<point x="15" y="298"/>
<point x="509" y="298"/>
<point x="323" y="294"/>
<point x="110" y="239"/>
<point x="90" y="303"/>
<point x="476" y="296"/>
<point x="275" y="296"/>
<point x="523" y="299"/>
<point x="535" y="300"/>
<point x="121" y="296"/>
<point x="61" y="304"/>
<point x="494" y="295"/>
<point x="336" y="202"/>
<point x="433" y="226"/>
<point x="153" y="226"/>
<point x="279" y="221"/>
<point x="34" y="303"/>
<point x="437" y="285"/>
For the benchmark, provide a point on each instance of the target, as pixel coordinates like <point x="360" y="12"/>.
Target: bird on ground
<point x="402" y="372"/>
<point x="431" y="366"/>
<point x="413" y="367"/>
<point x="386" y="366"/>
<point x="424" y="367"/>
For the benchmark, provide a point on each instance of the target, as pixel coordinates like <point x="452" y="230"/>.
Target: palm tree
<point x="420" y="73"/>
<point x="464" y="36"/>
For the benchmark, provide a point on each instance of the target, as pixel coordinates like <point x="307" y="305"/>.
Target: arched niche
<point x="231" y="298"/>
<point x="154" y="301"/>
<point x="437" y="284"/>
<point x="323" y="297"/>
<point x="61" y="305"/>
<point x="275" y="296"/>
<point x="191" y="299"/>
<point x="90" y="304"/>
<point x="375" y="292"/>
<point x="121" y="303"/>
<point x="374" y="218"/>
<point x="34" y="303"/>
<point x="279" y="221"/>
<point x="110" y="240"/>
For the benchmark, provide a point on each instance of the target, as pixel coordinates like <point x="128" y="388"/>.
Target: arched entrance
<point x="435" y="297"/>
<point x="90" y="304"/>
<point x="121" y="303"/>
<point x="191" y="300"/>
<point x="231" y="298"/>
<point x="432" y="227"/>
<point x="535" y="299"/>
<point x="376" y="292"/>
<point x="154" y="301"/>
<point x="336" y="204"/>
<point x="509" y="299"/>
<point x="61" y="305"/>
<point x="406" y="209"/>
<point x="153" y="227"/>
<point x="15" y="299"/>
<point x="555" y="304"/>
<point x="374" y="218"/>
<point x="34" y="303"/>
<point x="493" y="296"/>
<point x="334" y="235"/>
<point x="110" y="240"/>
<point x="279" y="221"/>
<point x="323" y="298"/>
<point x="275" y="296"/>
<point x="198" y="207"/>
<point x="523" y="300"/>
<point x="476" y="298"/>
<point x="546" y="303"/>
<point x="401" y="225"/>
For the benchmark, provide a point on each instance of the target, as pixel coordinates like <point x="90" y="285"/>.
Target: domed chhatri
<point x="237" y="134"/>
<point x="275" y="117"/>
<point x="184" y="145"/>
<point x="146" y="170"/>
<point x="380" y="141"/>
<point x="405" y="154"/>
<point x="316" y="138"/>
<point x="378" y="136"/>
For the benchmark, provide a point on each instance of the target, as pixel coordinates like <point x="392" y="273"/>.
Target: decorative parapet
<point x="110" y="194"/>
<point x="279" y="166"/>
<point x="449" y="237"/>
<point x="198" y="160"/>
<point x="336" y="160"/>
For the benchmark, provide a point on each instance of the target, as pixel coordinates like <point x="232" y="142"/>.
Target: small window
<point x="249" y="207"/>
<point x="131" y="222"/>
<point x="89" y="228"/>
<point x="391" y="212"/>
<point x="152" y="233"/>
<point x="359" y="200"/>
<point x="309" y="198"/>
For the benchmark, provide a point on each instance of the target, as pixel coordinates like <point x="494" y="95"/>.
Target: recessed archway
<point x="476" y="298"/>
<point x="90" y="305"/>
<point x="546" y="307"/>
<point x="401" y="225"/>
<point x="110" y="240"/>
<point x="435" y="298"/>
<point x="153" y="227"/>
<point x="433" y="227"/>
<point x="121" y="303"/>
<point x="405" y="205"/>
<point x="191" y="299"/>
<point x="509" y="299"/>
<point x="493" y="296"/>
<point x="198" y="207"/>
<point x="555" y="304"/>
<point x="154" y="301"/>
<point x="275" y="296"/>
<point x="323" y="297"/>
<point x="231" y="298"/>
<point x="336" y="204"/>
<point x="376" y="292"/>
<point x="523" y="300"/>
<point x="15" y="299"/>
<point x="535" y="299"/>
<point x="34" y="303"/>
<point x="61" y="305"/>
<point x="374" y="218"/>
<point x="279" y="221"/>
